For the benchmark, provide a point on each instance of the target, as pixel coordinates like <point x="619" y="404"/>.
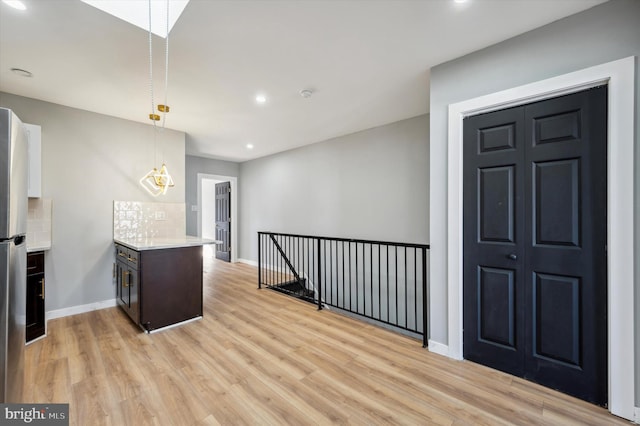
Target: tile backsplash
<point x="39" y="222"/>
<point x="139" y="220"/>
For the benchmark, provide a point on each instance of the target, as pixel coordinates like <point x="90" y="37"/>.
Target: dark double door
<point x="535" y="285"/>
<point x="223" y="221"/>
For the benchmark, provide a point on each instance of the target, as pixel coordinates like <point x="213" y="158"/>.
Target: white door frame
<point x="620" y="77"/>
<point x="234" y="208"/>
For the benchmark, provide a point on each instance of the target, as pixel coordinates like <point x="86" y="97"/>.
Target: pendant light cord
<point x="166" y="74"/>
<point x="153" y="107"/>
<point x="166" y="66"/>
<point x="156" y="182"/>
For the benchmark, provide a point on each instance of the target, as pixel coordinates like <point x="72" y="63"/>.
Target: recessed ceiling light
<point x="16" y="4"/>
<point x="261" y="99"/>
<point x="21" y="72"/>
<point x="460" y="1"/>
<point x="249" y="146"/>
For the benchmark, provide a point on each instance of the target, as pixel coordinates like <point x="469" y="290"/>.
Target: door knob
<point x="512" y="256"/>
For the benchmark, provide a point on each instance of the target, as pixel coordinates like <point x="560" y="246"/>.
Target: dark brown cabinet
<point x="159" y="287"/>
<point x="35" y="326"/>
<point x="127" y="279"/>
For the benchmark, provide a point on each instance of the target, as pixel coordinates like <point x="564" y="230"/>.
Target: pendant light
<point x="157" y="182"/>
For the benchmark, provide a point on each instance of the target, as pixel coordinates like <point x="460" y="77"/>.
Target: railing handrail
<point x="352" y="240"/>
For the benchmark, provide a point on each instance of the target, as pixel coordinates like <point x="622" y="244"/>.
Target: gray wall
<point x="193" y="166"/>
<point x="372" y="184"/>
<point x="88" y="161"/>
<point x="604" y="33"/>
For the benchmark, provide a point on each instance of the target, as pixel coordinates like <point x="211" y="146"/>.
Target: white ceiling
<point x="368" y="62"/>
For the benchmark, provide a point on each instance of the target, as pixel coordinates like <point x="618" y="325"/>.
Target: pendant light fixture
<point x="157" y="182"/>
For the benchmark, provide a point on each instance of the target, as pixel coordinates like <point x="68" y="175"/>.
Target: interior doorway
<point x="206" y="208"/>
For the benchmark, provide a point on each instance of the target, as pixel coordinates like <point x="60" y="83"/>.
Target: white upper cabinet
<point x="34" y="134"/>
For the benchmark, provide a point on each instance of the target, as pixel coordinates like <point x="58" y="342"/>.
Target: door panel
<point x="556" y="215"/>
<point x="557" y="128"/>
<point x="496" y="192"/>
<point x="556" y="318"/>
<point x="496" y="310"/>
<point x="223" y="220"/>
<point x="496" y="138"/>
<point x="534" y="216"/>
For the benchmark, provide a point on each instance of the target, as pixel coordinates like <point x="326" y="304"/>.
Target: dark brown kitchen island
<point x="159" y="281"/>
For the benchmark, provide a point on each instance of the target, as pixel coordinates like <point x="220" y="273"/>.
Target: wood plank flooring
<point x="260" y="357"/>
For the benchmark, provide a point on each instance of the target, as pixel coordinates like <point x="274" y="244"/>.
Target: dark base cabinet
<point x="127" y="279"/>
<point x="35" y="296"/>
<point x="159" y="287"/>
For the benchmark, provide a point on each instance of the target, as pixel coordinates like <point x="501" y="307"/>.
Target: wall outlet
<point x="194" y="208"/>
<point x="160" y="215"/>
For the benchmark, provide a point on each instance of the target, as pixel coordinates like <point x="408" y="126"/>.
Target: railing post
<point x="319" y="286"/>
<point x="424" y="298"/>
<point x="259" y="262"/>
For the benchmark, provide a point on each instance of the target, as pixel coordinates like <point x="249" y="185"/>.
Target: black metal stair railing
<point x="382" y="281"/>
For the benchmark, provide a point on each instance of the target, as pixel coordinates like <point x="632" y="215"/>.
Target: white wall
<point x="602" y="34"/>
<point x="372" y="184"/>
<point x="88" y="161"/>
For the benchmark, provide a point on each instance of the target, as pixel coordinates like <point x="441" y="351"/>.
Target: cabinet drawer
<point x="133" y="259"/>
<point x="122" y="253"/>
<point x="35" y="262"/>
<point x="128" y="256"/>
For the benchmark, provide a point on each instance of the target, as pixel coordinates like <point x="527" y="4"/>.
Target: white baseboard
<point x="248" y="262"/>
<point x="80" y="309"/>
<point x="636" y="415"/>
<point x="438" y="348"/>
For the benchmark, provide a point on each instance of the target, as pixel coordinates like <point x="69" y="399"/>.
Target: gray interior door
<point x="223" y="220"/>
<point x="535" y="196"/>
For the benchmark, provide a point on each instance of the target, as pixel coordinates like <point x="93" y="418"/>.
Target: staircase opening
<point x="378" y="281"/>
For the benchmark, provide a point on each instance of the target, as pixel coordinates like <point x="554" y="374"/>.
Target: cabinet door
<point x="121" y="268"/>
<point x="123" y="284"/>
<point x="116" y="279"/>
<point x="35" y="306"/>
<point x="34" y="135"/>
<point x="133" y="287"/>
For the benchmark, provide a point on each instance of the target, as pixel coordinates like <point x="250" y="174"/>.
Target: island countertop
<point x="164" y="243"/>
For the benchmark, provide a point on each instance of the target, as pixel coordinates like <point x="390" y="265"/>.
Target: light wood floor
<point x="259" y="357"/>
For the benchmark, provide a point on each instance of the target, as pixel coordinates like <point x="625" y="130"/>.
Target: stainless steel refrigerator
<point x="13" y="254"/>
